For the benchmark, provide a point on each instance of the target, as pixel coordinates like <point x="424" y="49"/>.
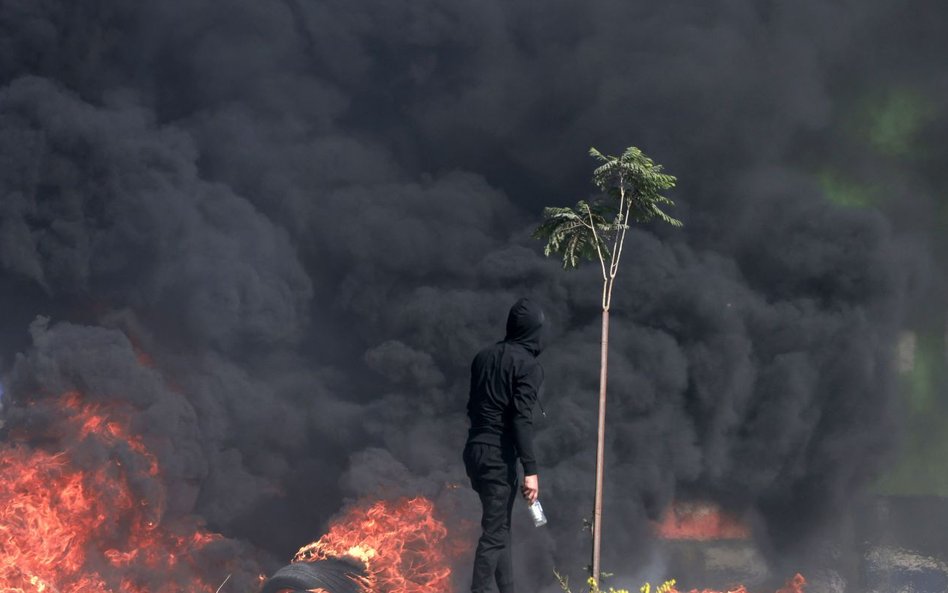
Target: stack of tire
<point x="328" y="576"/>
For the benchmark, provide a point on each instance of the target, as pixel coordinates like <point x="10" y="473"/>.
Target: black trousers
<point x="493" y="474"/>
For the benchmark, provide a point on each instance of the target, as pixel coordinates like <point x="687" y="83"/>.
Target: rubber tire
<point x="332" y="575"/>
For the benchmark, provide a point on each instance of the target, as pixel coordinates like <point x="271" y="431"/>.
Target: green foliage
<point x="576" y="233"/>
<point x="640" y="180"/>
<point x="919" y="467"/>
<point x="847" y="192"/>
<point x="897" y="119"/>
<point x="666" y="587"/>
<point x="631" y="186"/>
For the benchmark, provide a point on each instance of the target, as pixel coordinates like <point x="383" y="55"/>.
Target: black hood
<point x="525" y="325"/>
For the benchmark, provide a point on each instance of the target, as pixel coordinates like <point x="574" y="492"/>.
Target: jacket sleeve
<point x="526" y="390"/>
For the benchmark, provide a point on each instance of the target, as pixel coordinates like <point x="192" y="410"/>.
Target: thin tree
<point x="631" y="187"/>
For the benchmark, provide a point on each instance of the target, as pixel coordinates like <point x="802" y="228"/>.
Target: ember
<point x="66" y="528"/>
<point x="402" y="545"/>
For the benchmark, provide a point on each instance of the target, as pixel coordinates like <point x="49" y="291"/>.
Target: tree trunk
<point x="600" y="444"/>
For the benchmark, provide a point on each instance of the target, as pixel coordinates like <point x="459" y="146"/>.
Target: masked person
<point x="505" y="384"/>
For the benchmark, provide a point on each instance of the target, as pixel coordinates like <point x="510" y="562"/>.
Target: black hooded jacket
<point x="505" y="385"/>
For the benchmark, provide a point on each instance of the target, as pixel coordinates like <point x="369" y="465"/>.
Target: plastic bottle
<point x="536" y="513"/>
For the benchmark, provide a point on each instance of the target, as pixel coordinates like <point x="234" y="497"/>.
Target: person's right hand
<point x="531" y="488"/>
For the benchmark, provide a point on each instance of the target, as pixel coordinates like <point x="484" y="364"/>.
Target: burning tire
<point x="331" y="576"/>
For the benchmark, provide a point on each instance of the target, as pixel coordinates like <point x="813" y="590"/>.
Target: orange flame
<point x="401" y="544"/>
<point x="64" y="529"/>
<point x="699" y="521"/>
<point x="795" y="585"/>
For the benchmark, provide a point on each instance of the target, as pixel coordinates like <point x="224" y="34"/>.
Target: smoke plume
<point x="280" y="231"/>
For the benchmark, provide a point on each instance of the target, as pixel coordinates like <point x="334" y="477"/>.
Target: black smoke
<point x="309" y="216"/>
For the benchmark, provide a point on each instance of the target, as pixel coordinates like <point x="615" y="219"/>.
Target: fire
<point x="68" y="529"/>
<point x="699" y="521"/>
<point x="703" y="521"/>
<point x="402" y="545"/>
<point x="794" y="585"/>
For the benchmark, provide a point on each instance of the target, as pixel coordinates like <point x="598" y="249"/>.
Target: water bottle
<point x="536" y="513"/>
